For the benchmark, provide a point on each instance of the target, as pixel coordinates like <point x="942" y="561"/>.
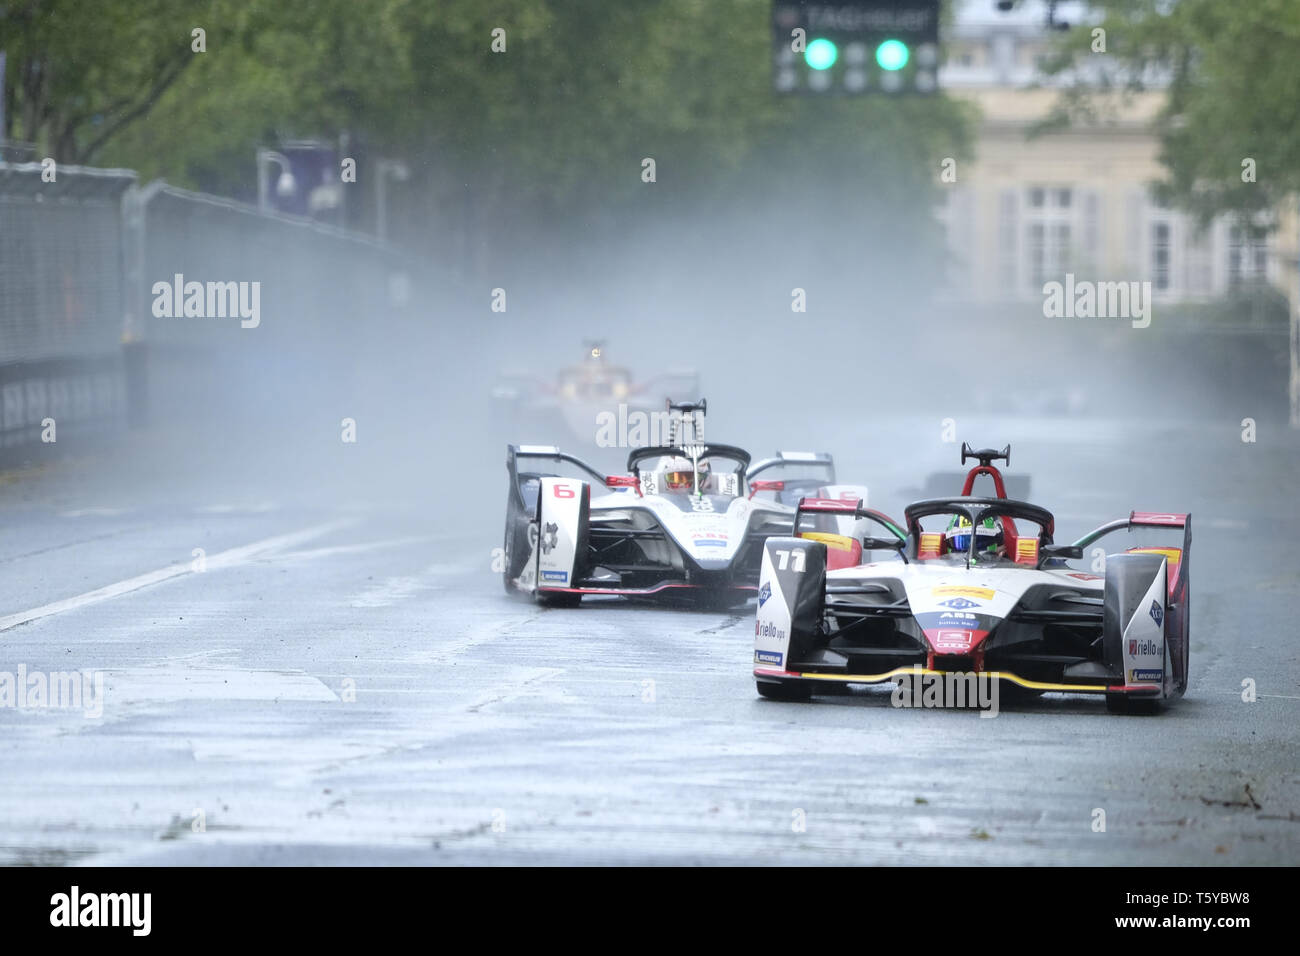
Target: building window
<point x="1092" y="228"/>
<point x="1160" y="256"/>
<point x="1198" y="253"/>
<point x="1048" y="232"/>
<point x="1007" y="246"/>
<point x="1247" y="257"/>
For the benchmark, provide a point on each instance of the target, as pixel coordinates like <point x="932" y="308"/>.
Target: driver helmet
<point x="988" y="536"/>
<point x="677" y="475"/>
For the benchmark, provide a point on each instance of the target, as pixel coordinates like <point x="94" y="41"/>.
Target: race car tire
<point x="1132" y="706"/>
<point x="1137" y="706"/>
<point x="723" y="600"/>
<point x="515" y="544"/>
<point x="558" y="599"/>
<point x="1013" y="693"/>
<point x="1128" y="579"/>
<point x="784" y="690"/>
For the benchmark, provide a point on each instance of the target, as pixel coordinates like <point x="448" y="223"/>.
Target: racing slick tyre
<point x="560" y="599"/>
<point x="784" y="690"/>
<point x="1137" y="706"/>
<point x="1013" y="693"/>
<point x="1128" y="578"/>
<point x="720" y="601"/>
<point x="1132" y="706"/>
<point x="515" y="546"/>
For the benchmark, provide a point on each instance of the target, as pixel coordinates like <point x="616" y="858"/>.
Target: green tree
<point x="1230" y="125"/>
<point x="1232" y="76"/>
<point x="79" y="74"/>
<point x="527" y="152"/>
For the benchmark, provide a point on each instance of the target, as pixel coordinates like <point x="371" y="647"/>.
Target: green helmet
<point x="988" y="537"/>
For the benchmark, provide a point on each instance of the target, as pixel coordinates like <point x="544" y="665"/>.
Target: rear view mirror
<point x="887" y="544"/>
<point x="1061" y="551"/>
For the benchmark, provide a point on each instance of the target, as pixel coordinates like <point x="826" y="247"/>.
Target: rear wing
<point x="814" y="459"/>
<point x="1150" y="519"/>
<point x="546" y="453"/>
<point x="514" y="453"/>
<point x="844" y="509"/>
<point x="1142" y="519"/>
<point x="527" y="453"/>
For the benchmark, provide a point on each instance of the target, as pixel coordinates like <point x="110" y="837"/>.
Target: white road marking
<point x="258" y="509"/>
<point x="1229" y="524"/>
<point x="402" y="587"/>
<point x="223" y="559"/>
<point x="174" y="683"/>
<point x="482" y="633"/>
<point x="350" y="548"/>
<point x="513" y="689"/>
<point x="391" y="591"/>
<point x="92" y="512"/>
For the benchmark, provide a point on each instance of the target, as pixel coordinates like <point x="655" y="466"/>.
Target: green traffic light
<point x="821" y="54"/>
<point x="892" y="55"/>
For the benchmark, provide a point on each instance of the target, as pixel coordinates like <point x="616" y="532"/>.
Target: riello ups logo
<point x="1145" y="646"/>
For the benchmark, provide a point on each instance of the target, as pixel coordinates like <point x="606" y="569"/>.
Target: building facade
<point x="1031" y="208"/>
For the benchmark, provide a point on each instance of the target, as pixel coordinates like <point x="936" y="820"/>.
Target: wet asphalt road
<point x="339" y="678"/>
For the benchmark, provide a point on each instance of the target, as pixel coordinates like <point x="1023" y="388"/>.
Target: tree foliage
<point x="553" y="129"/>
<point x="1230" y="70"/>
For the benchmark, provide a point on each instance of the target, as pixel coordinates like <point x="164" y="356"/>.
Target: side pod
<point x="791" y="595"/>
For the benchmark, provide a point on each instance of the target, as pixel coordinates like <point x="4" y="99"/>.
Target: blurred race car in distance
<point x="976" y="586"/>
<point x="686" y="521"/>
<point x="580" y="396"/>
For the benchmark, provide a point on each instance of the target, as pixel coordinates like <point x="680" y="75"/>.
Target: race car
<point x="686" y="522"/>
<point x="586" y="399"/>
<point x="975" y="585"/>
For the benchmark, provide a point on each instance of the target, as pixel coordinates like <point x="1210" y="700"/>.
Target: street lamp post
<point x="1293" y="383"/>
<point x="383" y="169"/>
<point x="285" y="185"/>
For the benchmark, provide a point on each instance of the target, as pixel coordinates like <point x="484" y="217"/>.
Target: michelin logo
<point x="561" y="576"/>
<point x="1141" y="676"/>
<point x="767" y="657"/>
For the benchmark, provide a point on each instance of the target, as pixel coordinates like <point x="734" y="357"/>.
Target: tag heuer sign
<point x="855" y="46"/>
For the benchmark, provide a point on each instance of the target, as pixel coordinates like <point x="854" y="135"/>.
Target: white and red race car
<point x="976" y="586"/>
<point x="579" y="397"/>
<point x="687" y="521"/>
